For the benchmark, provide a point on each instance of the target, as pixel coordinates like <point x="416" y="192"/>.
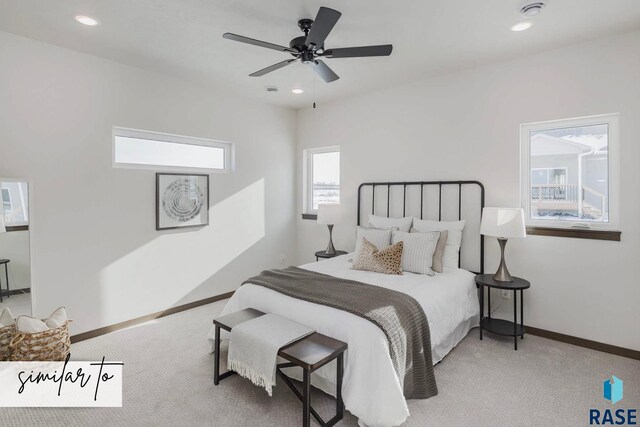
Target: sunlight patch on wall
<point x="155" y="276"/>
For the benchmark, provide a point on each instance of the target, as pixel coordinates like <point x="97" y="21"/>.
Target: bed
<point x="371" y="388"/>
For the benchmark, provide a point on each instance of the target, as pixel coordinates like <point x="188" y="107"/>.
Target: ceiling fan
<point x="309" y="47"/>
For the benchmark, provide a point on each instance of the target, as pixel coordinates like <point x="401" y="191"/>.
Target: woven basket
<point x="6" y="335"/>
<point x="47" y="346"/>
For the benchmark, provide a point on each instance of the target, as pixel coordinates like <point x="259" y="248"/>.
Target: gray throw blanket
<point x="397" y="314"/>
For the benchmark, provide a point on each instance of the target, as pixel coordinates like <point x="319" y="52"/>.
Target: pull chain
<point x="314" y="90"/>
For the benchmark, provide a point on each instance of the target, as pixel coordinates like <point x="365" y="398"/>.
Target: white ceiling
<point x="184" y="37"/>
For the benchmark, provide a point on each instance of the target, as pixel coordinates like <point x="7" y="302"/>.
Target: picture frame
<point x="182" y="200"/>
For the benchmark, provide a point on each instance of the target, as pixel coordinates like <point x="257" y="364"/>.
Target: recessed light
<point x="297" y="91"/>
<point x="521" y="26"/>
<point x="87" y="20"/>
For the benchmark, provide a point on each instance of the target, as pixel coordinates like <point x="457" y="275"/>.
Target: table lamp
<point x="503" y="223"/>
<point x="330" y="214"/>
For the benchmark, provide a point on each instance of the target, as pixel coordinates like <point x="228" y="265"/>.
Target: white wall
<point x="95" y="247"/>
<point x="14" y="246"/>
<point x="466" y="126"/>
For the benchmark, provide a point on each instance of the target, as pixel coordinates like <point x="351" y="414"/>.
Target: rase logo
<point x="613" y="391"/>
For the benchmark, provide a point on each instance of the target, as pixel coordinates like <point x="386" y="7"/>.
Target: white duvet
<point x="371" y="389"/>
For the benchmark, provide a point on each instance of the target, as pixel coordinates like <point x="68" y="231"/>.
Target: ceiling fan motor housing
<point x="298" y="43"/>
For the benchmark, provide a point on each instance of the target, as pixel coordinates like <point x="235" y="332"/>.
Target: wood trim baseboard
<point x="127" y="323"/>
<point x="582" y="342"/>
<point x="575" y="232"/>
<point x="17" y="228"/>
<point x="556" y="336"/>
<point x="16" y="292"/>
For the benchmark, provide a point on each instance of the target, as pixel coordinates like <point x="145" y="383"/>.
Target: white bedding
<point x="371" y="389"/>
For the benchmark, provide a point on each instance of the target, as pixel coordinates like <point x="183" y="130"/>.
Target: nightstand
<point x="501" y="326"/>
<point x="323" y="254"/>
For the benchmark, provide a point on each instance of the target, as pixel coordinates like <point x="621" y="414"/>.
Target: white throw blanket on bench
<point x="254" y="345"/>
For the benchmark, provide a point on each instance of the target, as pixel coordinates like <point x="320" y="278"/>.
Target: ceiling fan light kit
<point x="310" y="47"/>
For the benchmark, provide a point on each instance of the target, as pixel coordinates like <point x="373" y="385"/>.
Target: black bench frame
<point x="307" y="370"/>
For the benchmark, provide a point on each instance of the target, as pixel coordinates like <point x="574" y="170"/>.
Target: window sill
<point x="313" y="217"/>
<point x="579" y="233"/>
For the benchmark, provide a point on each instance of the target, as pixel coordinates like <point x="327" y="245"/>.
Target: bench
<point x="309" y="353"/>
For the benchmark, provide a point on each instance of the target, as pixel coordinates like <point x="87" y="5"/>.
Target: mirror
<point x="15" y="258"/>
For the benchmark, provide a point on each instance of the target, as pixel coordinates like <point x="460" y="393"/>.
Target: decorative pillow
<point x="380" y="238"/>
<point x="403" y="224"/>
<point x="418" y="250"/>
<point x="57" y="318"/>
<point x="436" y="265"/>
<point x="387" y="261"/>
<point x="30" y="325"/>
<point x="454" y="237"/>
<point x="6" y="319"/>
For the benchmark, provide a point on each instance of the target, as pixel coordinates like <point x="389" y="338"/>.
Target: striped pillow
<point x="417" y="256"/>
<point x="380" y="238"/>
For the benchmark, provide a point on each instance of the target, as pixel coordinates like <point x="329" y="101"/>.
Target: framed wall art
<point x="182" y="200"/>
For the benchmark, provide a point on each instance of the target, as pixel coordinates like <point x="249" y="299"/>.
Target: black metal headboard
<point x="430" y="187"/>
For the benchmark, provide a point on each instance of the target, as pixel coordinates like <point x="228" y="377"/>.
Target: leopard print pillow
<point x="387" y="261"/>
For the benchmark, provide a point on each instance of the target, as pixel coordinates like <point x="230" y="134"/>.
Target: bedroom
<point x="449" y="103"/>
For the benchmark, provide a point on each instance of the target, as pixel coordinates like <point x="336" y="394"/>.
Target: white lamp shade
<point x="503" y="222"/>
<point x="329" y="213"/>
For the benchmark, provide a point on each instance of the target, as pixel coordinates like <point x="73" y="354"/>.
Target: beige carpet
<point x="168" y="382"/>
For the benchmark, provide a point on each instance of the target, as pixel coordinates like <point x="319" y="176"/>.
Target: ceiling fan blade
<point x="260" y="43"/>
<point x="324" y="71"/>
<point x="272" y="68"/>
<point x="325" y="21"/>
<point x="361" y="51"/>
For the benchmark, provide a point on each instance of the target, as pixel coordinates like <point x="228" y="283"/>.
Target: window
<point x="322" y="177"/>
<point x="6" y="200"/>
<point x="151" y="150"/>
<point x="569" y="172"/>
<point x="15" y="203"/>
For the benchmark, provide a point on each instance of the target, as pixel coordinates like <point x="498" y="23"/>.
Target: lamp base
<point x="330" y="249"/>
<point x="502" y="275"/>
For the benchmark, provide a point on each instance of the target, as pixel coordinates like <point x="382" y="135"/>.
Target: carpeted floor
<point x="168" y="382"/>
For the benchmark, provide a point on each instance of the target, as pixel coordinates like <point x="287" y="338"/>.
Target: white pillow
<point x="454" y="239"/>
<point x="403" y="224"/>
<point x="380" y="238"/>
<point x="6" y="319"/>
<point x="417" y="254"/>
<point x="57" y="318"/>
<point x="30" y="325"/>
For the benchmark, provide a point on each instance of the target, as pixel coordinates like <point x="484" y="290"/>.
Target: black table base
<point x="6" y="275"/>
<point x="502" y="326"/>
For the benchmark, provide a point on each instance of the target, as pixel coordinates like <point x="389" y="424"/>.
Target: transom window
<point x="153" y="150"/>
<point x="322" y="177"/>
<point x="569" y="172"/>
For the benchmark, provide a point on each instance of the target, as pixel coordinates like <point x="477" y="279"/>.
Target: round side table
<point x="323" y="254"/>
<point x="501" y="326"/>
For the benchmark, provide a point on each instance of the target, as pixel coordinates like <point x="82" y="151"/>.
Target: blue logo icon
<point x="613" y="389"/>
